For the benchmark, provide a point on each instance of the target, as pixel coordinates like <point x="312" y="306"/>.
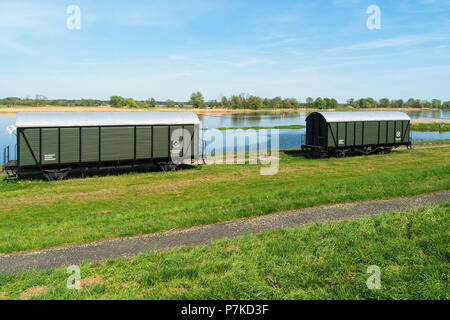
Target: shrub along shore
<point x="235" y="102"/>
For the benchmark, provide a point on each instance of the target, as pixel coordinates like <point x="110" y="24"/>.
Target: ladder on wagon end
<point x="9" y="165"/>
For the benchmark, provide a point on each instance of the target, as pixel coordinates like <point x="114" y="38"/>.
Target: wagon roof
<point x="363" y="116"/>
<point x="88" y="119"/>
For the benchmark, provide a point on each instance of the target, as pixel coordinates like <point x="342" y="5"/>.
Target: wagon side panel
<point x="398" y="132"/>
<point x="331" y="140"/>
<point x="341" y="133"/>
<point x="406" y="132"/>
<point x="70" y="145"/>
<point x="189" y="141"/>
<point x="143" y="143"/>
<point x="350" y="135"/>
<point x="371" y="133"/>
<point x="391" y="132"/>
<point x="358" y="133"/>
<point x="176" y="141"/>
<point x="117" y="143"/>
<point x="90" y="144"/>
<point x="383" y="132"/>
<point x="50" y="147"/>
<point x="32" y="136"/>
<point x="161" y="142"/>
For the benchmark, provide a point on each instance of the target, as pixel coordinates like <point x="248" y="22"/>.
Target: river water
<point x="288" y="138"/>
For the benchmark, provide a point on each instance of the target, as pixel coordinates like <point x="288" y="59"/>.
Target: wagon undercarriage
<point x="344" y="152"/>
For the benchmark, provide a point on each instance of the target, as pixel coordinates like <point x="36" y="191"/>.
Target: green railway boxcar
<point x="57" y="143"/>
<point x="341" y="133"/>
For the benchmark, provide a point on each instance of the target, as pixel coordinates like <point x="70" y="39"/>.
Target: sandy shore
<point x="158" y="109"/>
<point x="430" y="121"/>
<point x="12" y="110"/>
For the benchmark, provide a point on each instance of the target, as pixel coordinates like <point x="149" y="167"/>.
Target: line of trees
<point x="120" y="102"/>
<point x="410" y="103"/>
<point x="244" y="101"/>
<point x="40" y="100"/>
<point x="241" y="101"/>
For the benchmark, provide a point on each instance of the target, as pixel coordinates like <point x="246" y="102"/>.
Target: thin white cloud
<point x="390" y="43"/>
<point x="161" y="14"/>
<point x="30" y="16"/>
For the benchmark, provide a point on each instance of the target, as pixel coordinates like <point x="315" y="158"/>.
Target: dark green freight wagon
<point x="58" y="143"/>
<point x="342" y="133"/>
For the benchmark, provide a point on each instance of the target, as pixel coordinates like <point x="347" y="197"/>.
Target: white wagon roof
<point x="363" y="116"/>
<point x="90" y="119"/>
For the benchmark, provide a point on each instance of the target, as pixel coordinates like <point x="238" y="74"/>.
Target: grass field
<point x="38" y="214"/>
<point x="431" y="142"/>
<point x="431" y="126"/>
<point x="318" y="261"/>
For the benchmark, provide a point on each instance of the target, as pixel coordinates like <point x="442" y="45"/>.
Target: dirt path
<point x="130" y="247"/>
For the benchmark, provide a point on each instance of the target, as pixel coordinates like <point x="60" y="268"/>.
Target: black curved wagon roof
<point x="362" y="116"/>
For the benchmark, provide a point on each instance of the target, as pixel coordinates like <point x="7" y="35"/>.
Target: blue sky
<point x="168" y="49"/>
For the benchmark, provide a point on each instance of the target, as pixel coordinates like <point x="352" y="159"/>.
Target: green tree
<point x="309" y="102"/>
<point x="333" y="103"/>
<point x="117" y="102"/>
<point x="130" y="103"/>
<point x="197" y="100"/>
<point x="418" y="103"/>
<point x="224" y="102"/>
<point x="436" y="103"/>
<point x="320" y="103"/>
<point x="397" y="103"/>
<point x="362" y="103"/>
<point x="294" y="103"/>
<point x="254" y="103"/>
<point x="372" y="103"/>
<point x="237" y="101"/>
<point x="277" y="102"/>
<point x="212" y="104"/>
<point x="170" y="103"/>
<point x="384" y="103"/>
<point x="427" y="104"/>
<point x="410" y="103"/>
<point x="152" y="103"/>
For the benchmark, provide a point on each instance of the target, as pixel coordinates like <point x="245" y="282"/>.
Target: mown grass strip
<point x="318" y="261"/>
<point x="37" y="214"/>
<point x="432" y="126"/>
<point x="432" y="142"/>
<point x="79" y="225"/>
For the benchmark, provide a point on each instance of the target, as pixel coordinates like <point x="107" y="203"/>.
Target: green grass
<point x="432" y="126"/>
<point x="318" y="261"/>
<point x="39" y="214"/>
